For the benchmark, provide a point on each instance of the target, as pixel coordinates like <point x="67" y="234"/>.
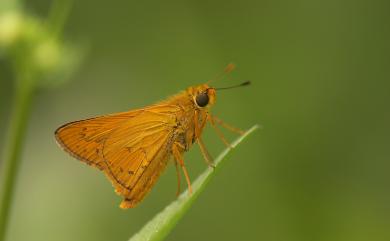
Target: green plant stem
<point x="160" y="226"/>
<point x="10" y="164"/>
<point x="59" y="12"/>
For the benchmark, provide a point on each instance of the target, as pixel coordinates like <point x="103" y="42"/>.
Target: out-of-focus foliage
<point x="32" y="47"/>
<point x="37" y="58"/>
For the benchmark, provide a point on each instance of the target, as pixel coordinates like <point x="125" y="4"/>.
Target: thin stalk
<point x="58" y="15"/>
<point x="11" y="161"/>
<point x="163" y="223"/>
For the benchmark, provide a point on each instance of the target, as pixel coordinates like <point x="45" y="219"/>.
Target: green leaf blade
<point x="160" y="226"/>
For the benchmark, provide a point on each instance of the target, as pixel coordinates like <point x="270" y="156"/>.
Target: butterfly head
<point x="203" y="95"/>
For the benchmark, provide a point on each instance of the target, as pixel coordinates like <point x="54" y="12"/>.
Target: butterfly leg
<point x="205" y="153"/>
<point x="219" y="132"/>
<point x="207" y="157"/>
<point x="178" y="178"/>
<point x="227" y="126"/>
<point x="179" y="158"/>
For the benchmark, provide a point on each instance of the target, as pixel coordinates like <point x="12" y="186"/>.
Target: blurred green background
<point x="319" y="168"/>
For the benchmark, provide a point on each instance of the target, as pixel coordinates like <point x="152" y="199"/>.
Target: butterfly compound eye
<point x="202" y="99"/>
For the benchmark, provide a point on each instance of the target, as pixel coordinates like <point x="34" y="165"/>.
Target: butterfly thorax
<point x="190" y="118"/>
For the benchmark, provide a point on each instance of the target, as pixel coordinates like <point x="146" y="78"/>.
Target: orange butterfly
<point x="133" y="148"/>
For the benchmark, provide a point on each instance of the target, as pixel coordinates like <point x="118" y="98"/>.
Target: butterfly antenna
<point x="234" y="86"/>
<point x="229" y="68"/>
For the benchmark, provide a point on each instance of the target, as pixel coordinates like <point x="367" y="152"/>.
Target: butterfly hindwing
<point x="136" y="153"/>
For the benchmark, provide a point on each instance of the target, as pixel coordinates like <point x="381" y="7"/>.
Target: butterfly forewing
<point x="84" y="139"/>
